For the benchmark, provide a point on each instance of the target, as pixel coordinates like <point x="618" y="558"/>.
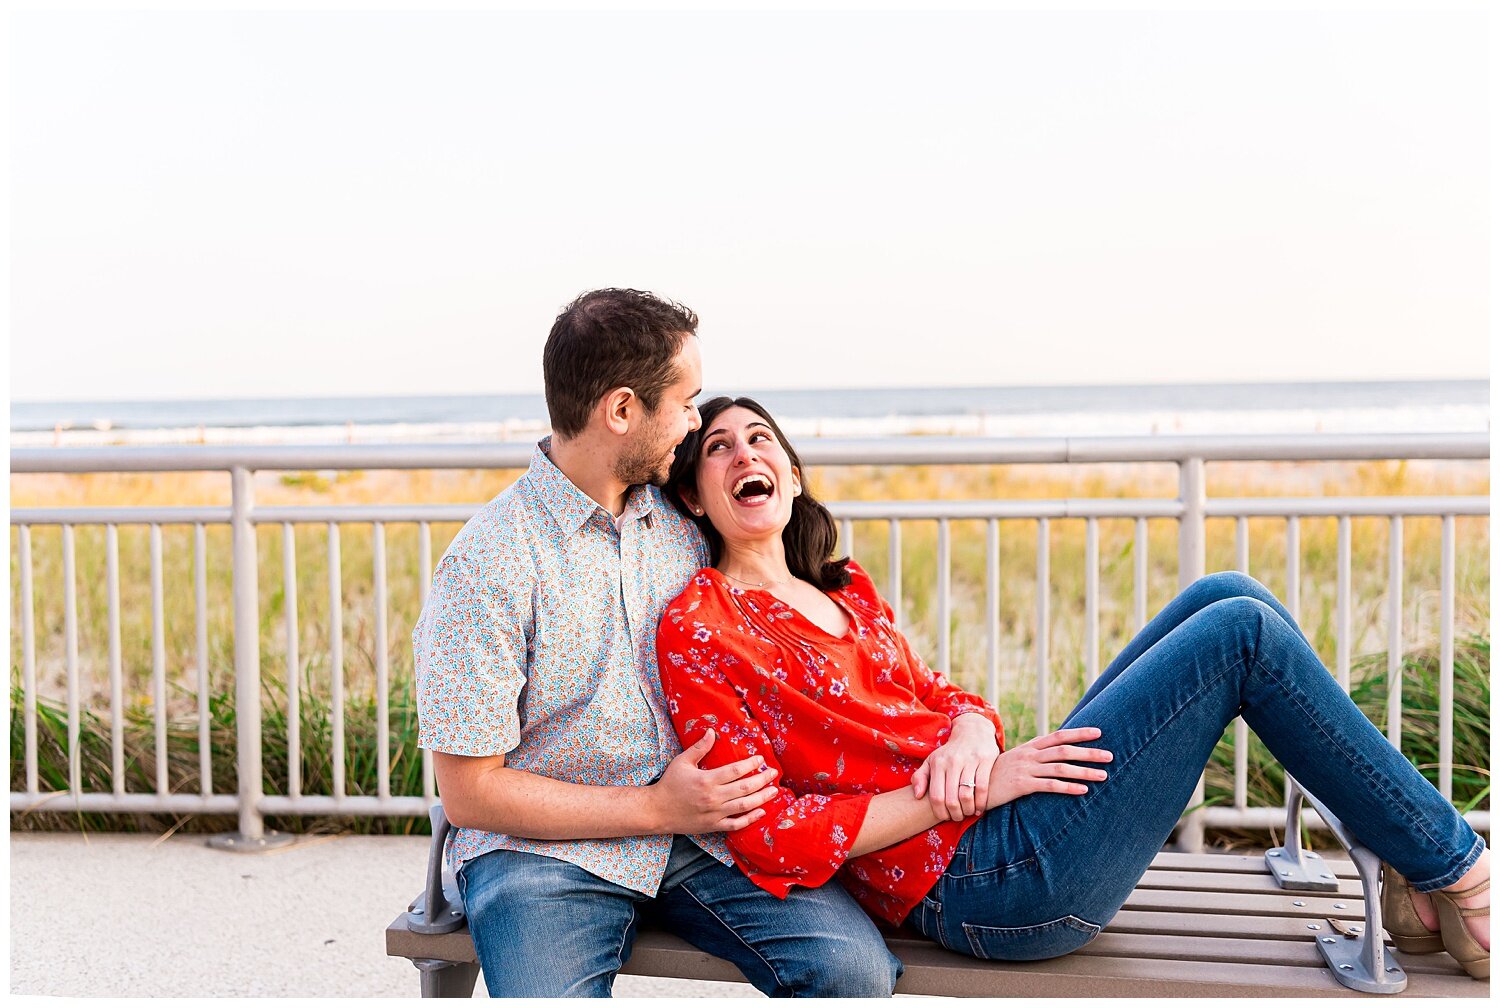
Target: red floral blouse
<point x="842" y="719"/>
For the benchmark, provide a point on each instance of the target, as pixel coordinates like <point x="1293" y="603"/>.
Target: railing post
<point x="1191" y="539"/>
<point x="252" y="836"/>
<point x="1192" y="559"/>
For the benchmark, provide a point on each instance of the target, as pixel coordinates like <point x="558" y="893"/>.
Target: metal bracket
<point x="1290" y="865"/>
<point x="1356" y="954"/>
<point x="439" y="908"/>
<point x="1361" y="964"/>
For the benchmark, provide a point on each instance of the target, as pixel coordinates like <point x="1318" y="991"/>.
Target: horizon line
<point x="808" y="388"/>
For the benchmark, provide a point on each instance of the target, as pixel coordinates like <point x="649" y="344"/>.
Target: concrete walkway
<point x="114" y="915"/>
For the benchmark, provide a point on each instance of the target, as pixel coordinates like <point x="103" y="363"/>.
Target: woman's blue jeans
<point x="1039" y="876"/>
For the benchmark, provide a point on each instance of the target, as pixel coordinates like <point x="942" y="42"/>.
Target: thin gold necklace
<point x="756" y="584"/>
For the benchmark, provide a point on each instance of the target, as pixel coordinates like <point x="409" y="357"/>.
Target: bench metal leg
<point x="441" y="978"/>
<point x="1355" y="953"/>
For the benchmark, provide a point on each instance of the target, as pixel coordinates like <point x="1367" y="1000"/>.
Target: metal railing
<point x="1190" y="510"/>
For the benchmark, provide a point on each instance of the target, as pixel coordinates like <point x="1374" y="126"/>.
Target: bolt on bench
<point x="1216" y="925"/>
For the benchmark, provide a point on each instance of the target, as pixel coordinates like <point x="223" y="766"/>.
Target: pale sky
<point x="304" y="204"/>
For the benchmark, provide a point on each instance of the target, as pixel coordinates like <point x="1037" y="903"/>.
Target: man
<point x="538" y="694"/>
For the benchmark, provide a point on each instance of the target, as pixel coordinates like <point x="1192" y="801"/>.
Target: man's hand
<point x="1041" y="765"/>
<point x="955" y="777"/>
<point x="721" y="800"/>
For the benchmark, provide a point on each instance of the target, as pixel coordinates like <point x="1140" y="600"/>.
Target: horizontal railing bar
<point x="1072" y="507"/>
<point x="1280" y="447"/>
<point x="366" y="513"/>
<point x="1339" y="507"/>
<point x="214" y="458"/>
<point x="262" y="516"/>
<point x="120" y="516"/>
<point x="62" y="801"/>
<point x="224" y="804"/>
<point x="354" y="805"/>
<point x="814" y="451"/>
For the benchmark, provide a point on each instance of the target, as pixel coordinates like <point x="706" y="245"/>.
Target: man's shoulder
<point x="501" y="532"/>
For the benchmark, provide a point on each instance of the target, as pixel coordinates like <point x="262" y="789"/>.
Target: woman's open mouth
<point x="753" y="490"/>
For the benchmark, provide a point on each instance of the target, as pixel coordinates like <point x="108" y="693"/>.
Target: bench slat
<point x="1251" y="864"/>
<point x="1315" y="905"/>
<point x="1199" y="948"/>
<point x="1194" y="881"/>
<point x="1212" y="925"/>
<point x="937" y="971"/>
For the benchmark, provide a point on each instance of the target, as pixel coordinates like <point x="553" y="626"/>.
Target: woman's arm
<point x="892" y="817"/>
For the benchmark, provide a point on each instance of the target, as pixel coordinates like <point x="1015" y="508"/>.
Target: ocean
<point x="994" y="411"/>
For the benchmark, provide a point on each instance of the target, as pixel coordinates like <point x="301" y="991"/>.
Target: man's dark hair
<point x="608" y="339"/>
<point x="810" y="534"/>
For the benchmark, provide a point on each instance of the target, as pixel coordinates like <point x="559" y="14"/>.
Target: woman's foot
<point x="1479" y="927"/>
<point x="1460" y="912"/>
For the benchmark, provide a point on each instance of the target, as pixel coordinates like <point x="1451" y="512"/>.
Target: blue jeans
<point x="1039" y="876"/>
<point x="547" y="928"/>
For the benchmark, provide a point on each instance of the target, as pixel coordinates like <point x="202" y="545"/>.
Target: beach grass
<point x="1013" y="689"/>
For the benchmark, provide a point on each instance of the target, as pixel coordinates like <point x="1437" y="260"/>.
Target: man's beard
<point x="644" y="462"/>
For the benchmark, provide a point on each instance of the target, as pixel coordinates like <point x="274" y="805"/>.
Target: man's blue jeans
<point x="1039" y="876"/>
<point x="547" y="928"/>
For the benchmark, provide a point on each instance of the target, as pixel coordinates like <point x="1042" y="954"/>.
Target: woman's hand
<point x="956" y="775"/>
<point x="1043" y="765"/>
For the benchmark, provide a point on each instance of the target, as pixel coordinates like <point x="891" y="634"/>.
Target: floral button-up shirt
<point x="842" y="718"/>
<point x="538" y="642"/>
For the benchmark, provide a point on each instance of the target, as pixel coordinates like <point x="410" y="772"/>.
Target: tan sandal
<point x="1400" y="917"/>
<point x="1461" y="945"/>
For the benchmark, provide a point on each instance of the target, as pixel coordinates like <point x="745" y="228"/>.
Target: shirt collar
<point x="569" y="506"/>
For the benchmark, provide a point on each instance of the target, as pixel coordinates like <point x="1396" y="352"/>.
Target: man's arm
<point x="481" y="792"/>
<point x="470" y="647"/>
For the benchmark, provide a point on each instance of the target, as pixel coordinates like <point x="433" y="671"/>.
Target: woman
<point x="895" y="780"/>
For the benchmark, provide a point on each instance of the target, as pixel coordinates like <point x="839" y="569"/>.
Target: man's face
<point x="647" y="455"/>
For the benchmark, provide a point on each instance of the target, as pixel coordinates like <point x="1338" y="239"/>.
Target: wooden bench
<point x="1197" y="924"/>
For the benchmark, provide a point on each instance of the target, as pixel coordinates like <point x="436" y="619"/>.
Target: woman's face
<point x="745" y="481"/>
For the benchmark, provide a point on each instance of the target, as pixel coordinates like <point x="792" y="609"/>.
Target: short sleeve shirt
<point x="538" y="642"/>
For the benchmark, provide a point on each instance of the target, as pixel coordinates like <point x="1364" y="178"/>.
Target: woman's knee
<point x="1229" y="584"/>
<point x="1244" y="613"/>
